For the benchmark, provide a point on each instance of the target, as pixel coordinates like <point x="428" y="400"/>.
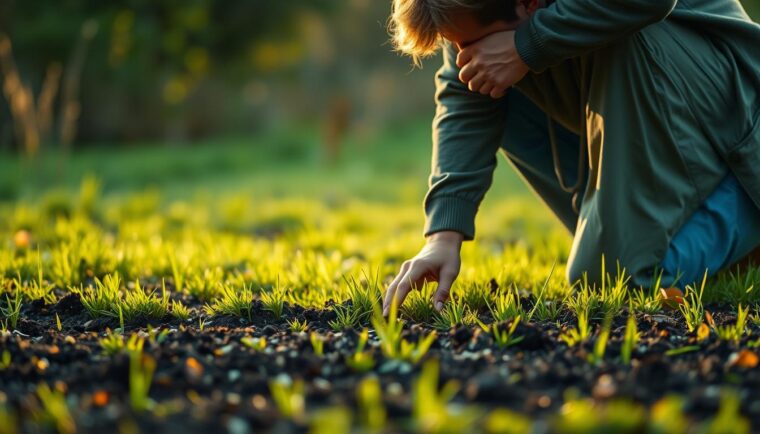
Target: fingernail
<point x="438" y="306"/>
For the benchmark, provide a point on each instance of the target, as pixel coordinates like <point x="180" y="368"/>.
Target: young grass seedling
<point x="58" y="324"/>
<point x="392" y="344"/>
<point x="177" y="273"/>
<point x="600" y="346"/>
<point x="298" y="325"/>
<point x="734" y="333"/>
<point x="418" y="307"/>
<point x="5" y="361"/>
<point x="360" y="361"/>
<point x="104" y="299"/>
<point x="180" y="311"/>
<point x="579" y="334"/>
<point x="112" y="343"/>
<point x="369" y="396"/>
<point x="506" y="306"/>
<point x="55" y="409"/>
<point x="39" y="289"/>
<point x="346" y="317"/>
<point x="364" y="298"/>
<point x="692" y="309"/>
<point x="476" y="296"/>
<point x="317" y="344"/>
<point x="139" y="303"/>
<point x="288" y="396"/>
<point x="256" y="344"/>
<point x="630" y="340"/>
<point x="431" y="410"/>
<point x="232" y="302"/>
<point x="141" y="369"/>
<point x="12" y="311"/>
<point x="543" y="308"/>
<point x="505" y="338"/>
<point x="453" y="314"/>
<point x="274" y="300"/>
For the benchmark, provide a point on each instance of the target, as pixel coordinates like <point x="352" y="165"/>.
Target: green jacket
<point x="468" y="128"/>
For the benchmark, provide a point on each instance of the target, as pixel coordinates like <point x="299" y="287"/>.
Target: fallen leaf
<point x="710" y="319"/>
<point x="744" y="359"/>
<point x="193" y="370"/>
<point x="703" y="332"/>
<point x="100" y="398"/>
<point x="670" y="298"/>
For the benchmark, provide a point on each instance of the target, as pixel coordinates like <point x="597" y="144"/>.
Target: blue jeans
<point x="724" y="229"/>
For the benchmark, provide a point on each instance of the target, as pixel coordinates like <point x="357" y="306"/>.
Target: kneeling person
<point x="636" y="121"/>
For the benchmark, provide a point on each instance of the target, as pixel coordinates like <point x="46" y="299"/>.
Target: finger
<point x="467" y="73"/>
<point x="411" y="280"/>
<point x="477" y="82"/>
<point x="486" y="89"/>
<point x="497" y="93"/>
<point x="443" y="292"/>
<point x="390" y="292"/>
<point x="464" y="57"/>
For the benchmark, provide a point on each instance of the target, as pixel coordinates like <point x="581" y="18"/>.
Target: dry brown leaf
<point x="745" y="359"/>
<point x="670" y="298"/>
<point x="710" y="319"/>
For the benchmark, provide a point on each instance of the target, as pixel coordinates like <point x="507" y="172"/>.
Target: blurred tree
<point x="182" y="69"/>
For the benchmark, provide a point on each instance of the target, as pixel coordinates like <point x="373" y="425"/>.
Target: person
<point x="636" y="121"/>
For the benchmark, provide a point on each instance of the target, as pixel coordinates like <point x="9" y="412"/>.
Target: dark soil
<point x="207" y="381"/>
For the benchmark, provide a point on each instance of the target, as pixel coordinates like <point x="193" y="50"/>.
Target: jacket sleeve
<point x="570" y="28"/>
<point x="467" y="133"/>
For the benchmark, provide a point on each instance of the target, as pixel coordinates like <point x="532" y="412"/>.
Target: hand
<point x="438" y="261"/>
<point x="491" y="65"/>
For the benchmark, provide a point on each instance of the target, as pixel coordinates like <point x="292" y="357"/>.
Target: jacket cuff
<point x="449" y="213"/>
<point x="531" y="47"/>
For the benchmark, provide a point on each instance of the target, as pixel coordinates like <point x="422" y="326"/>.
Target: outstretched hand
<point x="439" y="261"/>
<point x="491" y="65"/>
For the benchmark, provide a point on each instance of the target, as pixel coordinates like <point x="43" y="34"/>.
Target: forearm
<point x="466" y="136"/>
<point x="571" y="28"/>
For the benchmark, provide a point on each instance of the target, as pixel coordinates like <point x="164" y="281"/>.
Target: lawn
<point x="233" y="286"/>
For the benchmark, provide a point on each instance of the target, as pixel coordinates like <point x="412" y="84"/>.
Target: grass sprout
<point x="361" y="361"/>
<point x="600" y="346"/>
<point x="580" y="333"/>
<point x="256" y="344"/>
<point x="232" y="302"/>
<point x="317" y="343"/>
<point x="506" y="305"/>
<point x="630" y="339"/>
<point x="504" y="337"/>
<point x="180" y="311"/>
<point x="734" y="333"/>
<point x="103" y="299"/>
<point x="55" y="410"/>
<point x="141" y="369"/>
<point x="298" y="325"/>
<point x="346" y="317"/>
<point x="288" y="396"/>
<point x="392" y="344"/>
<point x="692" y="309"/>
<point x="12" y="309"/>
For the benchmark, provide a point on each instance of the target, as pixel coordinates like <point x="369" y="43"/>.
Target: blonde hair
<point x="415" y="25"/>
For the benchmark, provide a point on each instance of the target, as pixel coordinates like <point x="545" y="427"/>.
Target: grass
<point x="280" y="233"/>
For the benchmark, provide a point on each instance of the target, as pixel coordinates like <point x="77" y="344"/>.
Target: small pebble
<point x="233" y="375"/>
<point x="604" y="388"/>
<point x="236" y="425"/>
